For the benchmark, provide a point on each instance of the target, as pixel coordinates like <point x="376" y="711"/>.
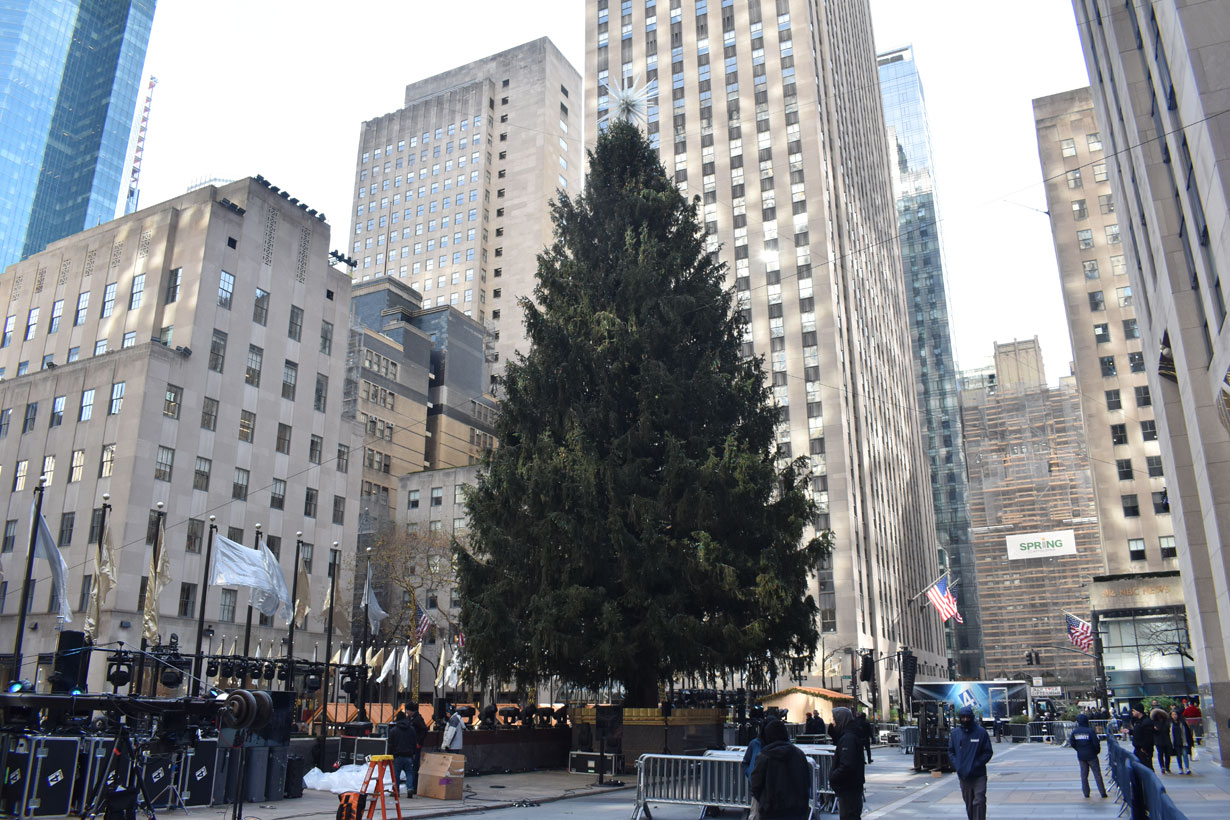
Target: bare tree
<point x="1164" y="637"/>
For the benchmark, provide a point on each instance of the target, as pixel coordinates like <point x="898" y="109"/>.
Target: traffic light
<point x="909" y="670"/>
<point x="1029" y="658"/>
<point x="867" y="671"/>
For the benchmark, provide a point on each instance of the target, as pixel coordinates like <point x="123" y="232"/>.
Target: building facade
<point x="922" y="261"/>
<point x="70" y="72"/>
<point x="1159" y="80"/>
<point x="770" y="113"/>
<point x="192" y="353"/>
<point x="1125" y="458"/>
<point x="452" y="190"/>
<point x="1034" y="520"/>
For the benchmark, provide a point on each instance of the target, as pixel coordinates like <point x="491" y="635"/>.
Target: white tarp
<point x="259" y="570"/>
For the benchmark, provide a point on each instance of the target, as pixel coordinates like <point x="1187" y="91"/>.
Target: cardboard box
<point x="442" y="776"/>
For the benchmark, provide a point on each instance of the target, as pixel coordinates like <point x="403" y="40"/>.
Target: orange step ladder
<point x="377" y="767"/>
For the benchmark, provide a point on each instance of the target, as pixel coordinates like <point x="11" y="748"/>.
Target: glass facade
<point x="1147" y="654"/>
<point x="931" y="340"/>
<point x="70" y="72"/>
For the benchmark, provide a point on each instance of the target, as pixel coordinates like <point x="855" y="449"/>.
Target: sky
<point x="281" y="88"/>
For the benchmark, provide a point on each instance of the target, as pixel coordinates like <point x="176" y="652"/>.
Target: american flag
<point x="943" y="600"/>
<point x="1080" y="633"/>
<point x="461" y="639"/>
<point x="424" y="621"/>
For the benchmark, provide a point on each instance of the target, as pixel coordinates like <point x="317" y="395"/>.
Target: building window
<point x="226" y="289"/>
<point x="1131" y="505"/>
<point x="1099" y="172"/>
<point x="1090" y="267"/>
<point x="260" y="307"/>
<point x="10" y="535"/>
<point x="164" y="463"/>
<point x="1106" y="203"/>
<point x="1108" y="365"/>
<point x="309" y="502"/>
<point x="217" y="351"/>
<point x="1143" y="399"/>
<point x="1067" y="148"/>
<point x="283" y="441"/>
<point x="1124" y="467"/>
<point x="129" y="340"/>
<point x="187" y="599"/>
<point x="256" y="360"/>
<point x="1101" y="333"/>
<point x="326" y="338"/>
<point x="239" y="486"/>
<point x="19" y="475"/>
<point x="1118" y="434"/>
<point x="290" y="378"/>
<point x="6" y="416"/>
<point x="295" y="329"/>
<point x="315" y="449"/>
<point x="1112" y="234"/>
<point x="343" y="458"/>
<point x="339" y="509"/>
<point x="171" y="401"/>
<point x="1074" y="178"/>
<point x="57" y="411"/>
<point x="68" y="522"/>
<point x="138" y="291"/>
<point x="77" y="467"/>
<point x="108" y="305"/>
<point x="196" y="534"/>
<point x="227" y="599"/>
<point x="412" y="500"/>
<point x="1131" y="330"/>
<point x="1079" y="210"/>
<point x="49" y="469"/>
<point x="1097" y="301"/>
<point x="200" y="475"/>
<point x="1136" y="549"/>
<point x="247" y="426"/>
<point x="321" y="395"/>
<point x="277" y="494"/>
<point x="1161" y="503"/>
<point x="1154" y="464"/>
<point x="1095" y="141"/>
<point x="117" y="399"/>
<point x="1084" y="239"/>
<point x="1136" y="362"/>
<point x="96" y="522"/>
<point x="1166" y="542"/>
<point x="106" y="462"/>
<point x="57" y="310"/>
<point x="209" y="414"/>
<point x="437" y="496"/>
<point x="31" y="417"/>
<point x="83" y="306"/>
<point x="1148" y="430"/>
<point x="172" y="291"/>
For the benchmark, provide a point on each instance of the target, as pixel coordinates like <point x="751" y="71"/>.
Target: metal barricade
<point x="714" y="780"/>
<point x="1098" y="726"/>
<point x="1039" y="731"/>
<point x="1060" y="729"/>
<point x="909" y="739"/>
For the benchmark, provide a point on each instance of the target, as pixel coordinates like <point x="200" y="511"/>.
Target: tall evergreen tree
<point x="632" y="524"/>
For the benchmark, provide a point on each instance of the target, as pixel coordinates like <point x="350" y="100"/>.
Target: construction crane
<point x="134" y="176"/>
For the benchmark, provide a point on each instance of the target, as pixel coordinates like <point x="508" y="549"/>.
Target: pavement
<point x="1025" y="782"/>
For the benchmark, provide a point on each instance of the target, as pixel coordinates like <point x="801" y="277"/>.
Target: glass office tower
<point x="922" y="260"/>
<point x="70" y="72"/>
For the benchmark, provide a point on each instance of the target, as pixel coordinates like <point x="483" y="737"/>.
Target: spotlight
<point x="227" y="668"/>
<point x="171" y="677"/>
<point x="211" y="668"/>
<point x="269" y="671"/>
<point x="21" y="686"/>
<point x="349" y="684"/>
<point x="311" y="683"/>
<point x="283" y="672"/>
<point x="119" y="670"/>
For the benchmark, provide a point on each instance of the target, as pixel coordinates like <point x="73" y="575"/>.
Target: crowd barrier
<point x="909" y="739"/>
<point x="1060" y="730"/>
<point x="1138" y="787"/>
<point x="717" y="780"/>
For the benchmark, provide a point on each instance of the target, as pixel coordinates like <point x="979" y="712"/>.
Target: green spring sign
<point x="1041" y="544"/>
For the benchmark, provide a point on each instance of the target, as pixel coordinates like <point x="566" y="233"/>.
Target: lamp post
<point x="324" y="679"/>
<point x="362" y="714"/>
<point x="199" y="663"/>
<point x="294" y="603"/>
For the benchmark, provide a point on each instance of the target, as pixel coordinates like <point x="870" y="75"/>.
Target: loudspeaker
<point x="296" y="767"/>
<point x="72" y="663"/>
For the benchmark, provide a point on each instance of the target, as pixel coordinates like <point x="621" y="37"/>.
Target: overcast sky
<point x="280" y="88"/>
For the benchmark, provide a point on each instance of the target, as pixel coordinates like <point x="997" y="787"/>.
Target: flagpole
<point x="367" y="605"/>
<point x="247" y="628"/>
<point x="25" y="585"/>
<point x="199" y="664"/>
<point x="294" y="604"/>
<point x="102" y="529"/>
<point x="150" y="586"/>
<point x="324" y="679"/>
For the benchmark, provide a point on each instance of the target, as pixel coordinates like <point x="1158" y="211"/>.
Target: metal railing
<point x="909" y="739"/>
<point x="715" y="780"/>
<point x="1137" y="786"/>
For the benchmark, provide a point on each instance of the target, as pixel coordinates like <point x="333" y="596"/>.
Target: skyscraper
<point x="1159" y="82"/>
<point x="70" y="72"/>
<point x="1129" y="477"/>
<point x="452" y="190"/>
<point x="922" y="261"/>
<point x="769" y="112"/>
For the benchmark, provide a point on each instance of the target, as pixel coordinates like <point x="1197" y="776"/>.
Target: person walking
<point x="1084" y="740"/>
<point x="821" y="728"/>
<point x="865" y="728"/>
<point x="969" y="749"/>
<point x="848" y="774"/>
<point x="453" y="731"/>
<point x="403" y="743"/>
<point x="749" y="764"/>
<point x="781" y="778"/>
<point x="1161" y="738"/>
<point x="1142" y="735"/>
<point x="1182" y="739"/>
<point x="420" y="733"/>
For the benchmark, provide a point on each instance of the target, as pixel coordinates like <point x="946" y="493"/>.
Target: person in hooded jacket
<point x="1182" y="739"/>
<point x="866" y="729"/>
<point x="1161" y="738"/>
<point x="781" y="778"/>
<point x="1085" y="741"/>
<point x="1142" y="735"/>
<point x="847" y="775"/>
<point x="403" y="744"/>
<point x="969" y="748"/>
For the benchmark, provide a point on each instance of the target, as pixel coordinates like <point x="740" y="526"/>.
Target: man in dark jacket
<point x="1085" y="741"/>
<point x="866" y="730"/>
<point x="403" y="744"/>
<point x="781" y="779"/>
<point x="969" y="748"/>
<point x="420" y="733"/>
<point x="1142" y="735"/>
<point x="847" y="776"/>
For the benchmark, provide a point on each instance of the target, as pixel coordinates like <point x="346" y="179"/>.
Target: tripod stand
<point x="104" y="797"/>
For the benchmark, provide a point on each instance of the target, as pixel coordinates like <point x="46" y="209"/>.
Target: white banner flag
<point x="45" y="548"/>
<point x="375" y="613"/>
<point x="259" y="570"/>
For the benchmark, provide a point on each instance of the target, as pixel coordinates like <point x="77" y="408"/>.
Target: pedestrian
<point x="848" y="775"/>
<point x="781" y="779"/>
<point x="1161" y="738"/>
<point x="1142" y="735"/>
<point x="453" y="731"/>
<point x="1085" y="741"/>
<point x="420" y="734"/>
<point x="969" y="749"/>
<point x="749" y="764"/>
<point x="821" y="729"/>
<point x="865" y="727"/>
<point x="403" y="743"/>
<point x="1182" y="738"/>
